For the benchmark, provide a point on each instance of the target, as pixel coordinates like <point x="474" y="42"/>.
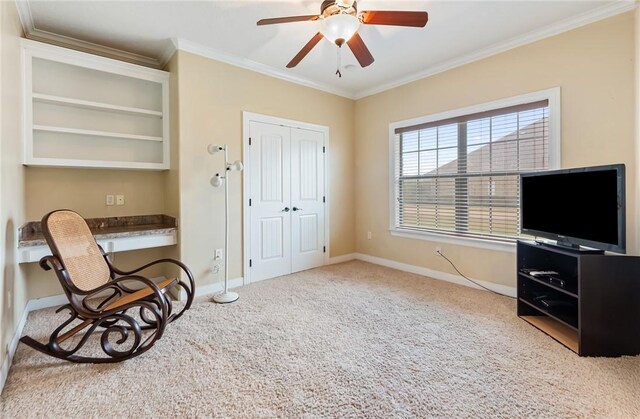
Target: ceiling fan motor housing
<point x="332" y="7"/>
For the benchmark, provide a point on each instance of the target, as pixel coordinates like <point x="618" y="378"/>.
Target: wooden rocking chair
<point x="99" y="296"/>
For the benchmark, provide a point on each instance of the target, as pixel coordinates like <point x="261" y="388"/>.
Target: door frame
<point x="247" y="118"/>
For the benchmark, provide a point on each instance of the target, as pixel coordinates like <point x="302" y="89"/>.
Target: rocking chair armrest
<point x="128" y="290"/>
<point x="49" y="262"/>
<point x="115" y="283"/>
<point x="181" y="265"/>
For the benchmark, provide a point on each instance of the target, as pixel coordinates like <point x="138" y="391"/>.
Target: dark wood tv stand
<point x="592" y="306"/>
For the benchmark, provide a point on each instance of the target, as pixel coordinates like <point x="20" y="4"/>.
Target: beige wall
<point x="84" y="190"/>
<point x="594" y="67"/>
<point x="637" y="118"/>
<point x="212" y="98"/>
<point x="12" y="282"/>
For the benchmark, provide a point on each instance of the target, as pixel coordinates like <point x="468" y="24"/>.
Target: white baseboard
<point x="218" y="287"/>
<point x="46" y="302"/>
<point x="13" y="346"/>
<point x="35" y="304"/>
<point x="212" y="288"/>
<point x="341" y="259"/>
<point x="32" y="305"/>
<point x="443" y="276"/>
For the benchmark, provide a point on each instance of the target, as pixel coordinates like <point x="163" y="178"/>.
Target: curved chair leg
<point x="110" y="326"/>
<point x="190" y="295"/>
<point x="34" y="344"/>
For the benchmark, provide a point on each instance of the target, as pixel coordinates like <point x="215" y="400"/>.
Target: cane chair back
<point x="70" y="239"/>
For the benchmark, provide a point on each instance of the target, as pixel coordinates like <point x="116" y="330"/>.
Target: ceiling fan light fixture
<point x="345" y="3"/>
<point x="339" y="28"/>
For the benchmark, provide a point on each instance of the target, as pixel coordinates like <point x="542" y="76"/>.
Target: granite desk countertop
<point x="30" y="233"/>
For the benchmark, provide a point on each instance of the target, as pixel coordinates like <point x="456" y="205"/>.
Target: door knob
<point x="286" y="209"/>
<point x="297" y="209"/>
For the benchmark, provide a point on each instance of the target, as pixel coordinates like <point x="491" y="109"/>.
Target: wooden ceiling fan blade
<point x="305" y="50"/>
<point x="360" y="50"/>
<point x="273" y="21"/>
<point x="395" y="18"/>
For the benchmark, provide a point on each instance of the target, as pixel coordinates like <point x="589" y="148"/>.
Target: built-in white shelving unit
<point x="83" y="110"/>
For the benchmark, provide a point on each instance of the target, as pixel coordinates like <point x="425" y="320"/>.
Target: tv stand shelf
<point x="590" y="305"/>
<point x="570" y="289"/>
<point x="560" y="332"/>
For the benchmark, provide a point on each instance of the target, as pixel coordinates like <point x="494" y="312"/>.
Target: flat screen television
<point x="576" y="207"/>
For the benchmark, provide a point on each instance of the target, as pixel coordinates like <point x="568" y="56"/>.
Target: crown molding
<point x="33" y="33"/>
<point x="201" y="50"/>
<point x="557" y="28"/>
<point x="24" y="13"/>
<point x="168" y="52"/>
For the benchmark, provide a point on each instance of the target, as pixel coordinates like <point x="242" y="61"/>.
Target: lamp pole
<point x="227" y="296"/>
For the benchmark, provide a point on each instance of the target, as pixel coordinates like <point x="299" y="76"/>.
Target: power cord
<point x="439" y="252"/>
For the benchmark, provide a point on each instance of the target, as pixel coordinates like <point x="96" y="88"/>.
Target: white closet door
<point x="270" y="200"/>
<point x="307" y="196"/>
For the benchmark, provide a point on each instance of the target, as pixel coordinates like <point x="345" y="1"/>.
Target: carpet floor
<point x="348" y="340"/>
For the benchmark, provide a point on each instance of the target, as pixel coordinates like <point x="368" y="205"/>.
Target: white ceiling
<point x="457" y="32"/>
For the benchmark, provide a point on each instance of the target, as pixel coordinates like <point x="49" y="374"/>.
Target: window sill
<point x="457" y="240"/>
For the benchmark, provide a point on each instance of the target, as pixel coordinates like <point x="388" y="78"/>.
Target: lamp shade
<point x="237" y="166"/>
<point x="339" y="28"/>
<point x="214" y="148"/>
<point x="216" y="181"/>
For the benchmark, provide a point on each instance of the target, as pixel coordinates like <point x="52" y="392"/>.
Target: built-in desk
<point x="114" y="234"/>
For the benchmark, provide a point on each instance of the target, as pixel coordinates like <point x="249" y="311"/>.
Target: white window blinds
<point x="461" y="175"/>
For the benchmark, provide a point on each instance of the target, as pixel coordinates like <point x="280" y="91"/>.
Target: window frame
<point x="552" y="95"/>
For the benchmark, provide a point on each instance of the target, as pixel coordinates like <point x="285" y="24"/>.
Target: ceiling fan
<point x="339" y="23"/>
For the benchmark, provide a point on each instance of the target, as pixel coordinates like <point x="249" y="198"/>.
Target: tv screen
<point x="583" y="206"/>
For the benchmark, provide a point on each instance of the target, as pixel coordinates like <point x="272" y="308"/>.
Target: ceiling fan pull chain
<point x="339" y="55"/>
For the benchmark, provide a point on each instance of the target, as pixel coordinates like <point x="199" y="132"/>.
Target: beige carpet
<point x="350" y="340"/>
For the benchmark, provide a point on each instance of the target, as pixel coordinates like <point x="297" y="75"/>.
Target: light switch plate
<point x="119" y="199"/>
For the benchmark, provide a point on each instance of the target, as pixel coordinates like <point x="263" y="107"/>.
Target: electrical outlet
<point x="368" y="235"/>
<point x="215" y="267"/>
<point x="218" y="255"/>
<point x="438" y="250"/>
<point x="109" y="200"/>
<point x="119" y="199"/>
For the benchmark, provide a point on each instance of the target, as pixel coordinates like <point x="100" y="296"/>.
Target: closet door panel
<point x="307" y="199"/>
<point x="271" y="200"/>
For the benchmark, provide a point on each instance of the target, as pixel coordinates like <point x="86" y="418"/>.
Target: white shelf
<point x="87" y="104"/>
<point x="82" y="110"/>
<point x="93" y="164"/>
<point x="93" y="133"/>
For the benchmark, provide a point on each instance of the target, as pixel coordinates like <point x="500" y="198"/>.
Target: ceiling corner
<point x="33" y="33"/>
<point x="167" y="53"/>
<point x="26" y="18"/>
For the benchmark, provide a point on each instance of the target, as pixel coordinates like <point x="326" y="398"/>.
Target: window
<point x="458" y="173"/>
